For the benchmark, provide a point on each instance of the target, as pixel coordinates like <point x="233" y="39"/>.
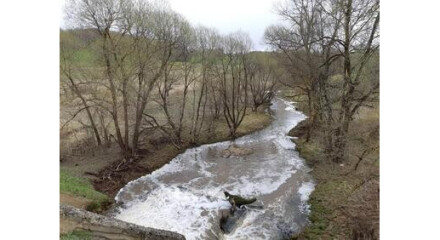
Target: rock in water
<point x="287" y="231"/>
<point x="238" y="201"/>
<point x="230" y="220"/>
<point x="235" y="151"/>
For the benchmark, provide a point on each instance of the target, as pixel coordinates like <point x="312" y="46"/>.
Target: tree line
<point x="329" y="50"/>
<point x="146" y="54"/>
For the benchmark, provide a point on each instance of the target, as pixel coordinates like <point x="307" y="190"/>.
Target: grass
<point x="163" y="153"/>
<point x="312" y="153"/>
<point x="80" y="187"/>
<point x="335" y="189"/>
<point x="84" y="57"/>
<point x="322" y="202"/>
<point x="253" y="121"/>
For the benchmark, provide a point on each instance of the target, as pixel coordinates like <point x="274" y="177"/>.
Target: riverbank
<point x="261" y="165"/>
<point x="94" y="170"/>
<point x="82" y="184"/>
<point x="345" y="202"/>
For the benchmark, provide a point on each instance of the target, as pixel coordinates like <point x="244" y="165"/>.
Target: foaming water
<point x="185" y="195"/>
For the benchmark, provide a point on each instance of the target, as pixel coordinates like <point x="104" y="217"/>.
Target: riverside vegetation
<point x="330" y="51"/>
<point x="139" y="84"/>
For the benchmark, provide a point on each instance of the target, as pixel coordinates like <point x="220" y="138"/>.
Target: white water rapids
<point x="185" y="195"/>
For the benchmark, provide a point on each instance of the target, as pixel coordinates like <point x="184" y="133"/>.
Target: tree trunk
<point x="114" y="112"/>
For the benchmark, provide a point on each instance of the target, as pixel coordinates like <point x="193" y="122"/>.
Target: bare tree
<point x="177" y="35"/>
<point x="357" y="44"/>
<point x="261" y="82"/>
<point x="298" y="43"/>
<point x="146" y="53"/>
<point x="137" y="42"/>
<point x="105" y="16"/>
<point x="325" y="38"/>
<point x="67" y="52"/>
<point x="234" y="74"/>
<point x="203" y="88"/>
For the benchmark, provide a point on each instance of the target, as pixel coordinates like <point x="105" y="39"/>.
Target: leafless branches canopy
<point x="125" y="58"/>
<point x="326" y="46"/>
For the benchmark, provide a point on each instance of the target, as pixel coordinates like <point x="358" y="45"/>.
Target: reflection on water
<point x="186" y="194"/>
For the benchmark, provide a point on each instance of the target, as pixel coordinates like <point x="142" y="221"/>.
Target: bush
<point x="99" y="206"/>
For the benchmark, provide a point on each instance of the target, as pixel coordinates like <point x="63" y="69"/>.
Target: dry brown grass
<point x="345" y="203"/>
<point x="97" y="165"/>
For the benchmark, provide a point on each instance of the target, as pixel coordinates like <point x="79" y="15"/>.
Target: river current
<point x="185" y="195"/>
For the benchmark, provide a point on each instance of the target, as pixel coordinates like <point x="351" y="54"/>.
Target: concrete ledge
<point x="103" y="227"/>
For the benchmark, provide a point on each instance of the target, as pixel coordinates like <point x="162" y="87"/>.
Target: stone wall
<point x="103" y="227"/>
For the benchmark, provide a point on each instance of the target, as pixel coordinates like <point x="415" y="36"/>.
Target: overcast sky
<point x="251" y="16"/>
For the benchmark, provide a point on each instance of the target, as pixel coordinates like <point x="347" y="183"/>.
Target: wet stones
<point x="287" y="231"/>
<point x="234" y="151"/>
<point x="229" y="220"/>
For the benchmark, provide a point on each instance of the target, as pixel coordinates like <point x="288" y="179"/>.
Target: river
<point x="185" y="195"/>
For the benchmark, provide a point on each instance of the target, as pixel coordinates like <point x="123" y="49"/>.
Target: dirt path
<point x="75" y="201"/>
